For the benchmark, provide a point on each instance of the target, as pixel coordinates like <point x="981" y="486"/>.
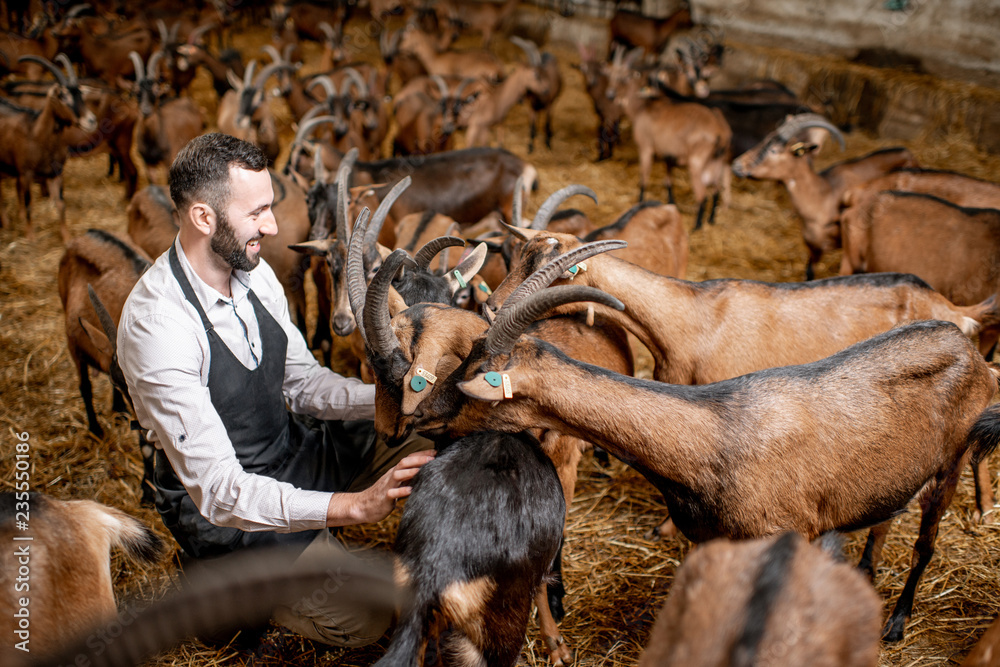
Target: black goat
<point x="477" y="537"/>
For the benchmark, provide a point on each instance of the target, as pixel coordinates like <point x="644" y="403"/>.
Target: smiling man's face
<point x="246" y="220"/>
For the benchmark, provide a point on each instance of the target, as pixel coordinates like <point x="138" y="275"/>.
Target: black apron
<point x="268" y="439"/>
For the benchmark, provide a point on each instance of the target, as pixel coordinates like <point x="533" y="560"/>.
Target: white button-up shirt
<point x="164" y="353"/>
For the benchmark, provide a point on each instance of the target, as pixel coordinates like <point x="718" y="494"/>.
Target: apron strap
<point x="175" y="266"/>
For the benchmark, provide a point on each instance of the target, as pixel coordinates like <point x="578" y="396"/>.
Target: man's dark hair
<point x="200" y="171"/>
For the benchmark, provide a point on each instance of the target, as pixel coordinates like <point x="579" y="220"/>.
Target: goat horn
<point x="462" y="86"/>
<point x="174" y="30"/>
<point x="517" y="204"/>
<point x="140" y="69"/>
<point x="382" y="340"/>
<point x="354" y="77"/>
<point x="431" y="249"/>
<point x="104" y="317"/>
<point x="326" y="82"/>
<point x="63" y="60"/>
<point x="319" y="170"/>
<point x="544" y="276"/>
<point x="555" y="200"/>
<point x="287" y="53"/>
<point x="308" y="124"/>
<point x="75" y="10"/>
<point x="619" y="53"/>
<point x="343" y="182"/>
<point x="162" y="28"/>
<point x="530" y="50"/>
<point x="273" y="52"/>
<point x="327" y="30"/>
<point x="195" y="35"/>
<point x="266" y="73"/>
<point x="382" y="212"/>
<point x="356" y="286"/>
<point x="511" y="322"/>
<point x="152" y="70"/>
<point x="47" y="64"/>
<point x="248" y="74"/>
<point x="793" y="125"/>
<point x="442" y="86"/>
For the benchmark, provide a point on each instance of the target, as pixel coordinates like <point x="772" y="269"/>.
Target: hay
<point x="616" y="579"/>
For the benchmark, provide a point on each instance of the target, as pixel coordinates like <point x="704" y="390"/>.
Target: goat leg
<point x="87" y="394"/>
<point x="24" y="203"/>
<point x="665" y="529"/>
<point x="559" y="652"/>
<point x="548" y="129"/>
<point x="55" y="186"/>
<point x="872" y="554"/>
<point x="933" y="505"/>
<point x="984" y="492"/>
<point x="715" y="207"/>
<point x="701" y="214"/>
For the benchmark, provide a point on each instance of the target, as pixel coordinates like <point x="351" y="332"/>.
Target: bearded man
<point x="256" y="443"/>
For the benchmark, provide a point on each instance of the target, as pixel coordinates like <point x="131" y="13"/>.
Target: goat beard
<point x="232" y="252"/>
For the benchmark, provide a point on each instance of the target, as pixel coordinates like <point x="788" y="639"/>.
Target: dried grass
<point x="616" y="579"/>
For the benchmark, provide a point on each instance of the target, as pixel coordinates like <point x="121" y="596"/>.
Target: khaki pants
<point x="321" y="616"/>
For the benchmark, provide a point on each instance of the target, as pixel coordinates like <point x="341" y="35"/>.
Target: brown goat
<point x="899" y="415"/>
<point x="771" y="601"/>
<point x="656" y="236"/>
<point x="685" y="132"/>
<point x="482" y="17"/>
<point x="491" y="107"/>
<point x="540" y="103"/>
<point x="630" y="29"/>
<point x="244" y="112"/>
<point x="475" y="63"/>
<point x="151" y="220"/>
<point x="427" y="110"/>
<point x="609" y="112"/>
<point x="112" y="265"/>
<point x="953" y="187"/>
<point x="63" y="567"/>
<point x="987" y="649"/>
<point x="685" y="325"/>
<point x="786" y="155"/>
<point x="954" y="249"/>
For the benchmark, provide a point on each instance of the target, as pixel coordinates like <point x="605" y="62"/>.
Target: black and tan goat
<point x="899" y="414"/>
<point x="786" y="155"/>
<point x="427" y="111"/>
<point x="244" y="112"/>
<point x="164" y="125"/>
<point x="540" y="103"/>
<point x="492" y="105"/>
<point x="771" y="601"/>
<point x="63" y="566"/>
<point x="686" y="324"/>
<point x="685" y="132"/>
<point x="633" y="30"/>
<point x="112" y="265"/>
<point x="33" y="146"/>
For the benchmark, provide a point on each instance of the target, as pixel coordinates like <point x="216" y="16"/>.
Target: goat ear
<point x="98" y="338"/>
<point x="124" y="84"/>
<point x="479" y="389"/>
<point x="299" y="179"/>
<point x="467" y="268"/>
<point x="319" y="247"/>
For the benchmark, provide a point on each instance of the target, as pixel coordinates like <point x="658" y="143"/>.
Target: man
<point x="211" y="357"/>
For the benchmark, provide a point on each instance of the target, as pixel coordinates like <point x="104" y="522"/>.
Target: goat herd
<point x="778" y="414"/>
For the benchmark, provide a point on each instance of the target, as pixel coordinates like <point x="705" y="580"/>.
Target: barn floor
<point x="616" y="579"/>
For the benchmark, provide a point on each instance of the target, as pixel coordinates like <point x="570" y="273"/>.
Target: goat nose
<point x="343" y="324"/>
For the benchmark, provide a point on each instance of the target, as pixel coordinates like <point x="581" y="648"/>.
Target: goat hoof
<point x="665" y="529"/>
<point x="559" y="653"/>
<point x="893" y="631"/>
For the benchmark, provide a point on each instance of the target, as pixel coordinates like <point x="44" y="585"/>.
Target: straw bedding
<point x="616" y="579"/>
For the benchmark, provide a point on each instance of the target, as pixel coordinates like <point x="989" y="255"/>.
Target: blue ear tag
<point x="494" y="379"/>
<point x="417" y="383"/>
<point x="459" y="278"/>
<point x="486" y="288"/>
<point x="574" y="269"/>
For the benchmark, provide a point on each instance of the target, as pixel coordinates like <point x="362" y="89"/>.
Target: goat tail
<point x="986" y="314"/>
<point x="132" y="536"/>
<point x="408" y="641"/>
<point x="985" y="434"/>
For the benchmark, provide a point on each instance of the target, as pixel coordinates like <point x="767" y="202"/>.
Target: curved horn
<point x="152" y="70"/>
<point x="442" y="86"/>
<point x="326" y="82"/>
<point x="286" y="55"/>
<point x="248" y="74"/>
<point x="530" y="50"/>
<point x="793" y="125"/>
<point x="195" y="35"/>
<point x="555" y="200"/>
<point x="75" y="10"/>
<point x="382" y="212"/>
<point x="140" y="69"/>
<point x="431" y="249"/>
<point x="544" y="276"/>
<point x="174" y="30"/>
<point x="319" y="169"/>
<point x="354" y="77"/>
<point x="47" y="64"/>
<point x="161" y="26"/>
<point x="517" y="204"/>
<point x="306" y="127"/>
<point x="462" y="86"/>
<point x="356" y="286"/>
<point x="327" y="31"/>
<point x="343" y="183"/>
<point x="63" y="60"/>
<point x="512" y="321"/>
<point x="266" y="73"/>
<point x="381" y="339"/>
<point x="273" y="52"/>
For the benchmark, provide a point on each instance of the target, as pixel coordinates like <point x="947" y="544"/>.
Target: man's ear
<point x="202" y="216"/>
<point x="480" y="389"/>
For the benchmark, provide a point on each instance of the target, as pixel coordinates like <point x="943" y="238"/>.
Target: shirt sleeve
<point x="309" y="387"/>
<point x="161" y="358"/>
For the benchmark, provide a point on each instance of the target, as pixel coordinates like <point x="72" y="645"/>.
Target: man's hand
<point x="377" y="501"/>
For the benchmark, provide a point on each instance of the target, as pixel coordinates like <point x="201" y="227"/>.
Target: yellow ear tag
<point x="507" y="392"/>
<point x="459" y="278"/>
<point x="427" y="375"/>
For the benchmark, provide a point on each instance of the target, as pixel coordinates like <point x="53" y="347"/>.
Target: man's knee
<point x="349" y="627"/>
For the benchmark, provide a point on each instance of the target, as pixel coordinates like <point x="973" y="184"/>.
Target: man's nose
<point x="269" y="226"/>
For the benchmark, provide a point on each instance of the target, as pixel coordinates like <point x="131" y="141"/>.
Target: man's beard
<point x="226" y="246"/>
